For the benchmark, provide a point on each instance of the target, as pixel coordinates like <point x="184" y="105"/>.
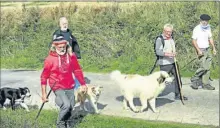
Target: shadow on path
<point x="159" y="101"/>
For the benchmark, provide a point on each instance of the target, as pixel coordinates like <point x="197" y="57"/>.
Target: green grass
<point x="47" y="119"/>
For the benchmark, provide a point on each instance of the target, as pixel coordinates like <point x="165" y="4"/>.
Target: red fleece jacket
<point x="61" y="69"/>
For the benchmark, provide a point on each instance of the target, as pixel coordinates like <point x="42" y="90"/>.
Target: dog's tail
<point x="116" y="75"/>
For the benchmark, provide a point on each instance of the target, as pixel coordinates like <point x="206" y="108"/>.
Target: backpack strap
<point x="155" y="63"/>
<point x="162" y="39"/>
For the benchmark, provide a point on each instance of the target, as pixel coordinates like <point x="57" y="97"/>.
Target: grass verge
<point x="47" y="119"/>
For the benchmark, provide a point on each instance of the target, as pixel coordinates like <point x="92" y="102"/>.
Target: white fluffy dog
<point x="147" y="88"/>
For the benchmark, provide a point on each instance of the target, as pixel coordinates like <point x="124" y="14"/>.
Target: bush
<point x="111" y="35"/>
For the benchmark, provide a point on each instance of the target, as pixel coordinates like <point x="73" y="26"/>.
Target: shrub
<point x="111" y="35"/>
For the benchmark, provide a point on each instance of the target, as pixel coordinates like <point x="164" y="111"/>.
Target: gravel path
<point x="201" y="108"/>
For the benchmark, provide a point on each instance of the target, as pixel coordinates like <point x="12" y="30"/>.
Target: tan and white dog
<point x="92" y="94"/>
<point x="147" y="88"/>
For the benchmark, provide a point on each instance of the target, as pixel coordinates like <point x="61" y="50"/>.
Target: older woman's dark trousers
<point x="170" y="68"/>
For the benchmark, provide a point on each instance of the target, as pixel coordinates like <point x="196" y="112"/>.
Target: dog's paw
<point x="97" y="112"/>
<point x="156" y="111"/>
<point x="136" y="110"/>
<point x="94" y="112"/>
<point x="125" y="108"/>
<point x="141" y="111"/>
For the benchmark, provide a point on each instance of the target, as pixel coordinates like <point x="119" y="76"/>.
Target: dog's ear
<point x="21" y="88"/>
<point x="100" y="87"/>
<point x="160" y="79"/>
<point x="93" y="87"/>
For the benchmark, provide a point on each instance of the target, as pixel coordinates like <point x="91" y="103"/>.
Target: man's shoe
<point x="194" y="86"/>
<point x="70" y="124"/>
<point x="177" y="97"/>
<point x="208" y="87"/>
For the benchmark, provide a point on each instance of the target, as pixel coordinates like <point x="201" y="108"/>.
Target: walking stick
<point x="38" y="114"/>
<point x="178" y="79"/>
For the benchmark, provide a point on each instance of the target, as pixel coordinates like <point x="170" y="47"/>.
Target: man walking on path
<point x="201" y="40"/>
<point x="165" y="50"/>
<point x="59" y="67"/>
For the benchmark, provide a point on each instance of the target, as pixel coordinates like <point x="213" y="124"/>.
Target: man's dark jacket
<point x="71" y="39"/>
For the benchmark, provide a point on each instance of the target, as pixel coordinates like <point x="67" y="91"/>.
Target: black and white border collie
<point x="16" y="96"/>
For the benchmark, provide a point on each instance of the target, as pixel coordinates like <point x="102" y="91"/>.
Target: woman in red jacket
<point x="59" y="67"/>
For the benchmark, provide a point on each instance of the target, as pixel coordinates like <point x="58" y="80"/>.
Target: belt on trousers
<point x="204" y="49"/>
